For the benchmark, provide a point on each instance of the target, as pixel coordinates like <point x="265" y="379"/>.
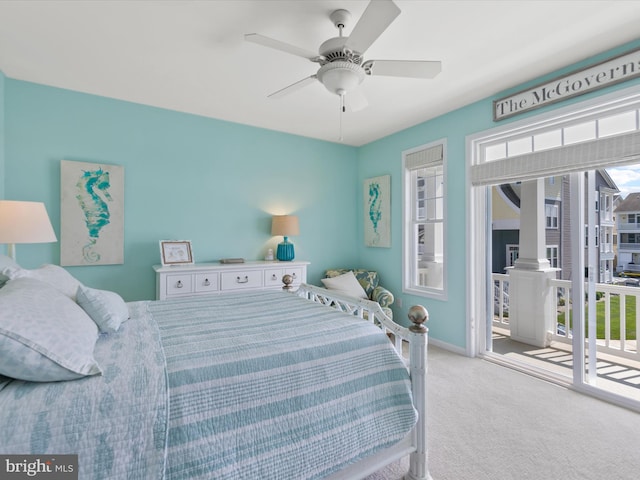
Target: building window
<point x="425" y="220"/>
<point x="552" y="255"/>
<point x="551" y="214"/>
<point x="513" y="252"/>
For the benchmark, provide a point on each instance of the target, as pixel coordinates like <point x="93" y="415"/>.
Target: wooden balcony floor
<point x="615" y="374"/>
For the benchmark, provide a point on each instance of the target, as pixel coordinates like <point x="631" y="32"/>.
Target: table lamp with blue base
<point x="285" y="225"/>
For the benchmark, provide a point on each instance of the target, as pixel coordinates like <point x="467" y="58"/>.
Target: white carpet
<point x="487" y="422"/>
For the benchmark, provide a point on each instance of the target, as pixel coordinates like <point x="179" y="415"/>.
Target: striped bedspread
<point x="270" y="386"/>
<point x="259" y="386"/>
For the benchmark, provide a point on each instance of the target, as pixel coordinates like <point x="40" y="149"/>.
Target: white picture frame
<point x="176" y="252"/>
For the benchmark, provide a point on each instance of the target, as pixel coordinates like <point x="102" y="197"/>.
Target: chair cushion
<point x="368" y="279"/>
<point x="345" y="284"/>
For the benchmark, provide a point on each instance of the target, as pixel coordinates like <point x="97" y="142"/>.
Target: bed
<point x="267" y="384"/>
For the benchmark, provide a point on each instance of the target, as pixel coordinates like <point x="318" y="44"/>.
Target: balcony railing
<point x="615" y="337"/>
<point x="628" y="226"/>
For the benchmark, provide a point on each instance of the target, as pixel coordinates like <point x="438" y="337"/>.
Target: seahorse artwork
<point x="375" y="211"/>
<point x="92" y="195"/>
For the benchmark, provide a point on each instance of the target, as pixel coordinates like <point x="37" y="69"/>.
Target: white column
<point x="533" y="250"/>
<point x="531" y="305"/>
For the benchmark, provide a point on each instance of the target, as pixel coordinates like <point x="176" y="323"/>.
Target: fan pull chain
<point x="342" y="110"/>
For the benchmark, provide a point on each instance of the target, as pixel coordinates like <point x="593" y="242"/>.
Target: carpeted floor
<point x="487" y="422"/>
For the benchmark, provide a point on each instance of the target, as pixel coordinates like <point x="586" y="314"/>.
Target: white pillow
<point x="346" y="284"/>
<point x="106" y="308"/>
<point x="6" y="262"/>
<point x="54" y="275"/>
<point x="44" y="335"/>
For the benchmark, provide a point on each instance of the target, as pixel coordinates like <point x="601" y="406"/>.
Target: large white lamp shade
<point x="24" y="222"/>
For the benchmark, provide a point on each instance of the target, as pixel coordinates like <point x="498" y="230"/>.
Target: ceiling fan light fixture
<point x="340" y="77"/>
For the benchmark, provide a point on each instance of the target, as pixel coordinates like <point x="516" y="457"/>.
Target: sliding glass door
<point x="554" y="245"/>
<point x="563" y="289"/>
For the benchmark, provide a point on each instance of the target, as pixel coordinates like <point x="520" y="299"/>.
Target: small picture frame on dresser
<point x="176" y="252"/>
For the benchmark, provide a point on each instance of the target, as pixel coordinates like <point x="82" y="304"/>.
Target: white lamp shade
<point x="25" y="222"/>
<point x="285" y="225"/>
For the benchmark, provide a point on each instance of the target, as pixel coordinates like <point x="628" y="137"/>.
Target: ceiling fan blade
<point x="403" y="68"/>
<point x="356" y="100"/>
<point x="375" y="19"/>
<point x="278" y="45"/>
<point x="293" y="87"/>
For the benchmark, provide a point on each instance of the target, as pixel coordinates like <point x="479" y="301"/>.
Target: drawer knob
<point x="179" y="284"/>
<point x="246" y="279"/>
<point x="274" y="277"/>
<point x="206" y="282"/>
<point x="293" y="274"/>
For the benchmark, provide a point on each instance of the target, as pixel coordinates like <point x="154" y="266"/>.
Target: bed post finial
<point x="287" y="280"/>
<point x="418" y="315"/>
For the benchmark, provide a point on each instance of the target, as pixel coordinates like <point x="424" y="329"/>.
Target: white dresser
<point x="217" y="278"/>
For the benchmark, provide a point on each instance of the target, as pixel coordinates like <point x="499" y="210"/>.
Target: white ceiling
<point x="191" y="56"/>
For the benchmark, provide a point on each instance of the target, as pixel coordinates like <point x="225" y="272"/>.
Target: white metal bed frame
<point x="415" y="443"/>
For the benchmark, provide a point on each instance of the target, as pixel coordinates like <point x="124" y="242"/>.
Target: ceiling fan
<point x="342" y="66"/>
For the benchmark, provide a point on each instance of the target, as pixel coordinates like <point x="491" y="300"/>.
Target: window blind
<point x="612" y="151"/>
<point x="424" y="158"/>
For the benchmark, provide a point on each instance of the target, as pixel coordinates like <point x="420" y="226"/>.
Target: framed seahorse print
<point x="91" y="213"/>
<point x="377" y="211"/>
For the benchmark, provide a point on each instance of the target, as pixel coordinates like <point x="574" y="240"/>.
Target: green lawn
<point x="630" y="318"/>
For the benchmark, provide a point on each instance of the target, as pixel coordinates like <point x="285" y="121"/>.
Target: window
<point x="552" y="255"/>
<point x="553" y="136"/>
<point x="513" y="252"/>
<point x="551" y="214"/>
<point x="424" y="220"/>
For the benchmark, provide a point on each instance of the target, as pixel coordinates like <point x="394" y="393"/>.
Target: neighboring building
<point x="628" y="225"/>
<point x="606" y="194"/>
<point x="506" y="225"/>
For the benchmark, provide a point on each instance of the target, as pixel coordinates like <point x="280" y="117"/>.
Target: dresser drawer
<point x="273" y="277"/>
<point x="179" y="284"/>
<point x="206" y="282"/>
<point x="240" y="280"/>
<point x="295" y="272"/>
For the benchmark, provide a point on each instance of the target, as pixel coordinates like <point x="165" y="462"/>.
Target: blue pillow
<point x="106" y="308"/>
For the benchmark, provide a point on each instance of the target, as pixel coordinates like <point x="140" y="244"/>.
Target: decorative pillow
<point x="346" y="284"/>
<point x="54" y="275"/>
<point x="106" y="308"/>
<point x="44" y="336"/>
<point x="6" y="262"/>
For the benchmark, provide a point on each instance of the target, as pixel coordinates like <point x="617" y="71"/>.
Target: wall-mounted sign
<point x="604" y="74"/>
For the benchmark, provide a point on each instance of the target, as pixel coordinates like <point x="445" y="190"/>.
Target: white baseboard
<point x="448" y="346"/>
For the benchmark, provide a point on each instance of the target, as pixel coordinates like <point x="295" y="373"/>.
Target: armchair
<point x="370" y="282"/>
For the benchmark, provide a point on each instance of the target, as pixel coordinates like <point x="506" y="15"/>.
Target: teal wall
<point x="186" y="177"/>
<point x="217" y="183"/>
